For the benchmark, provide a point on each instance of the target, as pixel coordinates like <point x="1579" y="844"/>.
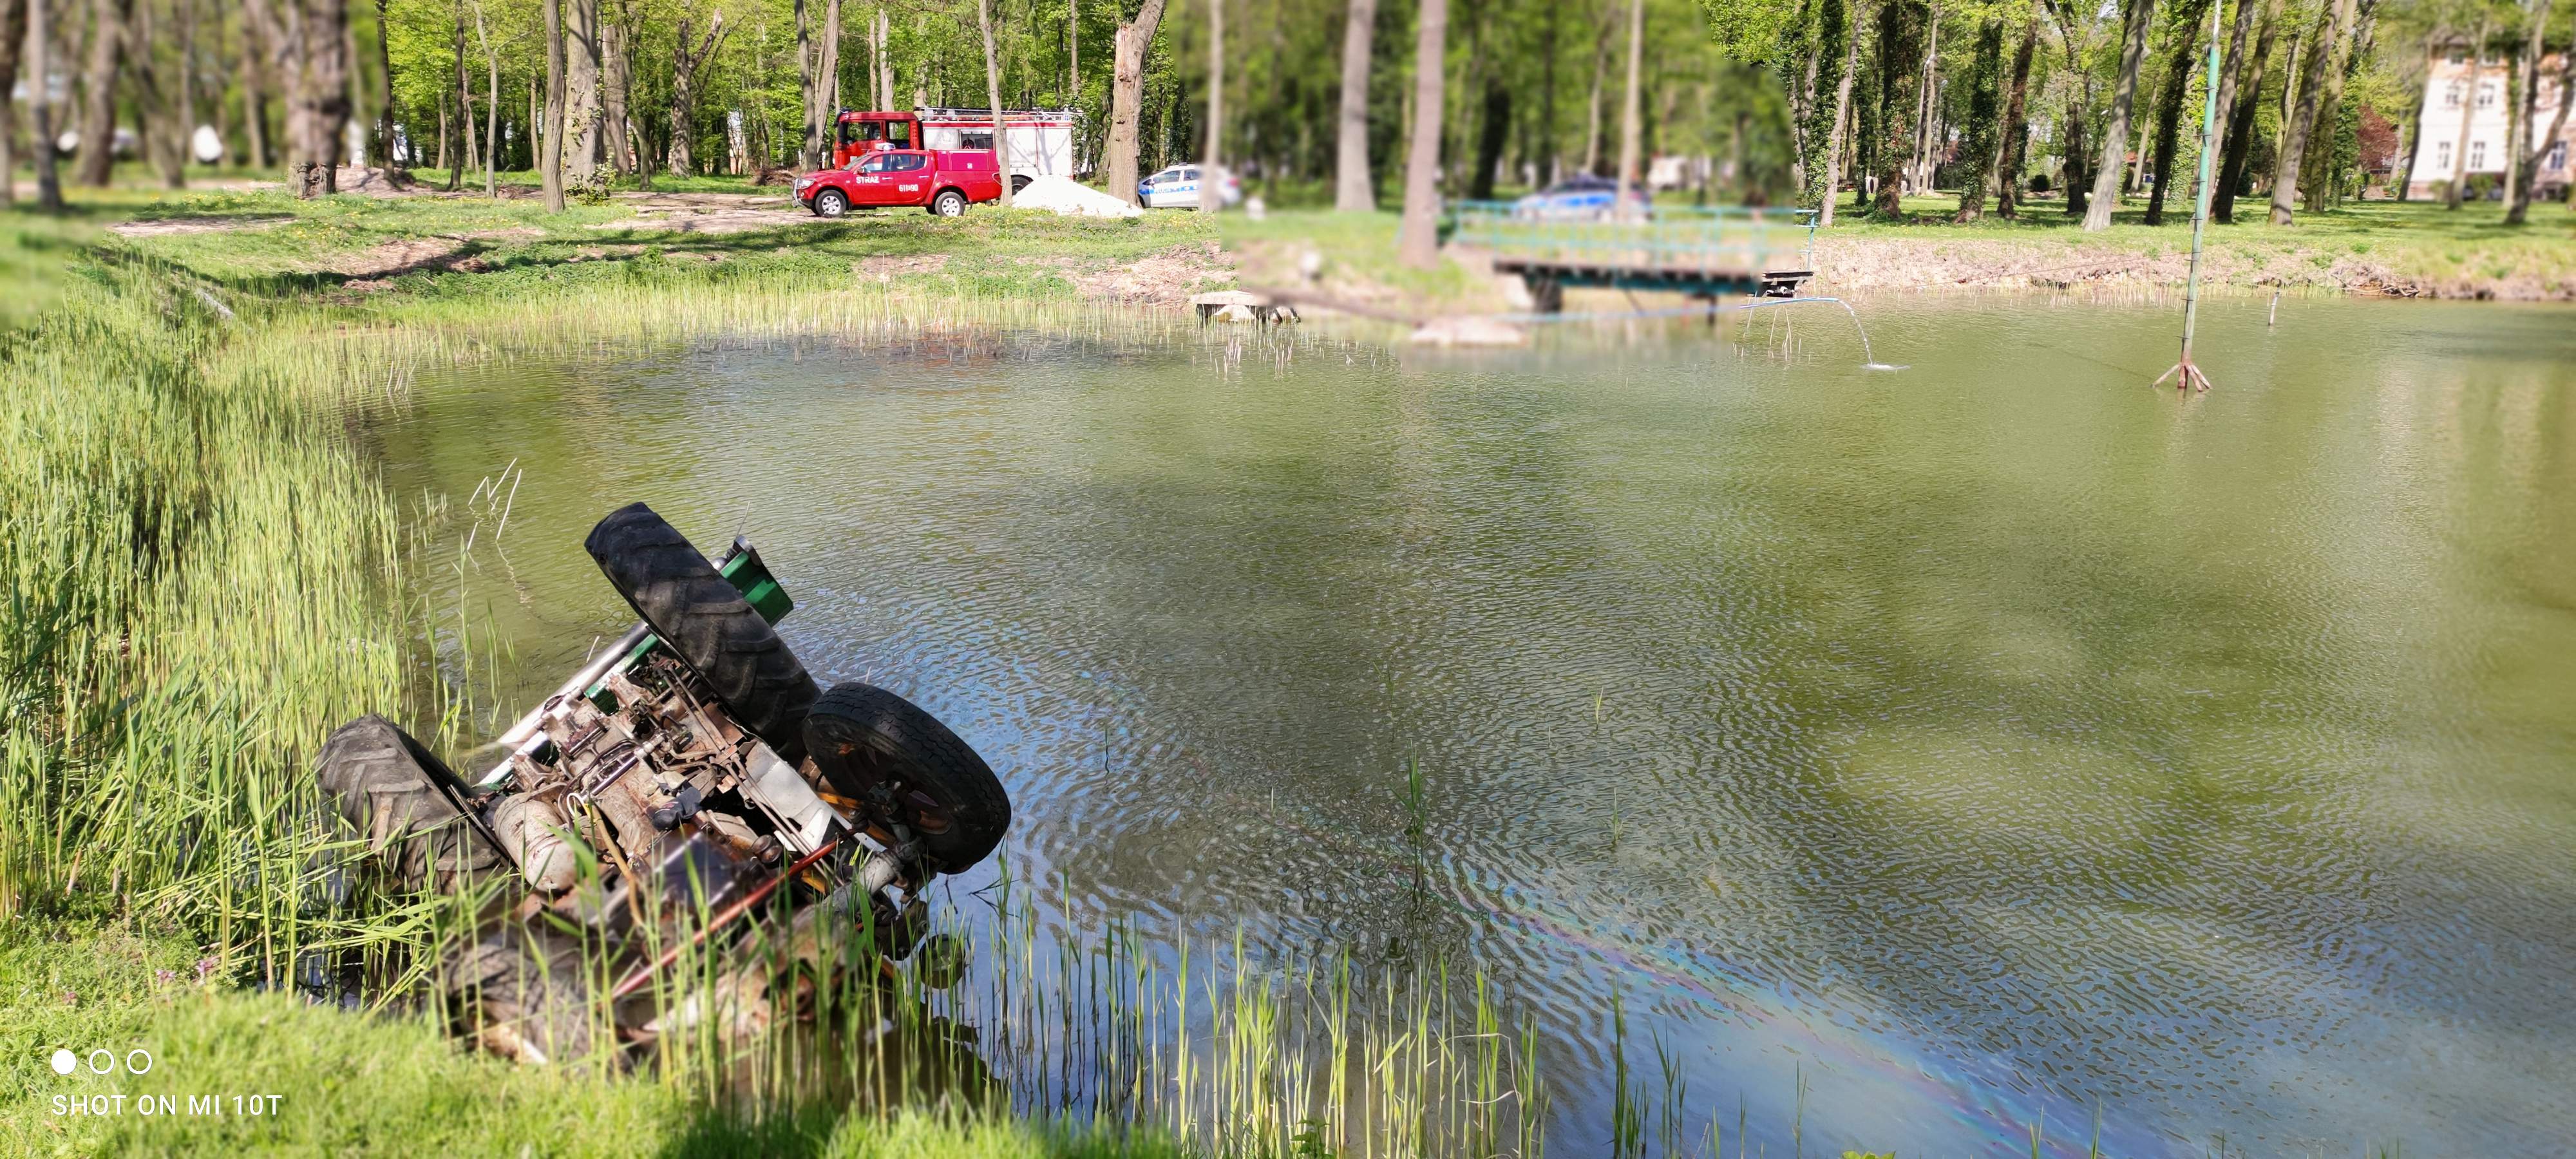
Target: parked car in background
<point x="1579" y="196"/>
<point x="1178" y="188"/>
<point x="942" y="181"/>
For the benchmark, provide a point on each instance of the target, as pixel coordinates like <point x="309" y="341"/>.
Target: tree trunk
<point x="153" y="115"/>
<point x="1842" y="118"/>
<point x="2468" y="105"/>
<point x="384" y="93"/>
<point x="1629" y="116"/>
<point x="1927" y="111"/>
<point x="2115" y="136"/>
<point x="1822" y="134"/>
<point x="827" y="81"/>
<point x="2414" y="133"/>
<point x="2075" y="179"/>
<point x="309" y="49"/>
<point x="257" y="85"/>
<point x="464" y="95"/>
<point x="2527" y="154"/>
<point x="2326" y="186"/>
<point x="1491" y="137"/>
<point x="1592" y="117"/>
<point x="2332" y="27"/>
<point x="2009" y="154"/>
<point x="1549" y="156"/>
<point x="993" y="97"/>
<point x="98" y="90"/>
<point x="491" y="108"/>
<point x="688" y="60"/>
<point x="2078" y="180"/>
<point x="616" y="86"/>
<point x="332" y="56"/>
<point x="49" y="186"/>
<point x="1212" y="174"/>
<point x="1900" y="79"/>
<point x="1354" y="189"/>
<point x="811" y="133"/>
<point x="1800" y="92"/>
<point x="2177" y="89"/>
<point x="13" y="37"/>
<point x="2228" y="73"/>
<point x="550" y="142"/>
<point x="187" y="107"/>
<point x="1417" y="246"/>
<point x="1980" y="143"/>
<point x="2514" y="126"/>
<point x="1127" y="95"/>
<point x="581" y="115"/>
<point x="2240" y="127"/>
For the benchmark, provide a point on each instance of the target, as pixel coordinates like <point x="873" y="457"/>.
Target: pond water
<point x="1993" y="741"/>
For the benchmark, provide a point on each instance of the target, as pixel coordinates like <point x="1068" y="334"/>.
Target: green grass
<point x="1356" y="248"/>
<point x="394" y="1085"/>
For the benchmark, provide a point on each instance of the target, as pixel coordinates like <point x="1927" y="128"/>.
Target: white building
<point x="2439" y="150"/>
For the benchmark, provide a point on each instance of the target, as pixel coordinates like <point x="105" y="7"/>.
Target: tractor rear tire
<point x="700" y="615"/>
<point x="521" y="993"/>
<point x="408" y="805"/>
<point x="863" y="737"/>
<point x="1019" y="181"/>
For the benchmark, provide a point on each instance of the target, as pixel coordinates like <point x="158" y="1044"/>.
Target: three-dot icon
<point x="137" y="1061"/>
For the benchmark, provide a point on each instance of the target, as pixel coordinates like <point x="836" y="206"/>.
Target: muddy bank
<point x="1877" y="263"/>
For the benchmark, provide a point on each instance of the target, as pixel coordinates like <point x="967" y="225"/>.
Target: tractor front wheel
<point x="949" y="203"/>
<point x="831" y="203"/>
<point x="901" y="764"/>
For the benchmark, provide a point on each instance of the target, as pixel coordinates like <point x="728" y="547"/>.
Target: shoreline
<point x="1868" y="262"/>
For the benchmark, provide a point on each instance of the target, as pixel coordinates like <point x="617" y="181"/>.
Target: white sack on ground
<point x="1067" y="196"/>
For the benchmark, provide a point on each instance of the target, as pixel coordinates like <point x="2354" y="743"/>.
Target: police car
<point x="1178" y="188"/>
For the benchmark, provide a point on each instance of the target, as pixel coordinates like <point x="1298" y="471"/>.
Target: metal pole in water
<point x="2190" y="375"/>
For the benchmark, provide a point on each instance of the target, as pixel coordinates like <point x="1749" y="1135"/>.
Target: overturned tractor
<point x="688" y="776"/>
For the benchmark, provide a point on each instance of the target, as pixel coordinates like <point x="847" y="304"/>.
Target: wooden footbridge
<point x="1700" y="251"/>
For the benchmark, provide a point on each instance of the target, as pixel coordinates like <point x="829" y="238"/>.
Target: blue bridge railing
<point x="1712" y="241"/>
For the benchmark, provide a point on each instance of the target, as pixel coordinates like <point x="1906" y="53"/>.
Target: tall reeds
<point x="205" y="578"/>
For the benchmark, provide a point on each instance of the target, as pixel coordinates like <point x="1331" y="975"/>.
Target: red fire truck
<point x="1036" y="141"/>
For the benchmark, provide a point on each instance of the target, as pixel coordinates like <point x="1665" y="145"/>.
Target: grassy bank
<point x="205" y="578"/>
<point x="2374" y="247"/>
<point x="2414" y="249"/>
<point x="388" y="1085"/>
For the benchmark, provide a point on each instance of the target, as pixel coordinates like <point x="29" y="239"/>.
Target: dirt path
<point x="711" y="212"/>
<point x="166" y="226"/>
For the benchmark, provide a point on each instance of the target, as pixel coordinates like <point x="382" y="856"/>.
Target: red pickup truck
<point x="943" y="181"/>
